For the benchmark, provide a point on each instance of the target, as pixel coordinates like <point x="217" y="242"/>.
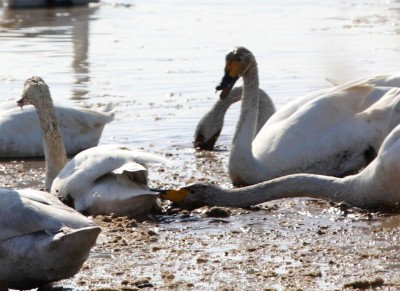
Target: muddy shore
<point x="290" y="244"/>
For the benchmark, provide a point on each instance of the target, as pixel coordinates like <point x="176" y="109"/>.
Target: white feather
<point x="41" y="239"/>
<point x="20" y="133"/>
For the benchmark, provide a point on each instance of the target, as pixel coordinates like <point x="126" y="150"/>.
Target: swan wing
<point x="28" y="211"/>
<point x="390" y="80"/>
<point x="287" y="110"/>
<point x="81" y="128"/>
<point x="104" y="159"/>
<point x="332" y="131"/>
<point x="130" y="167"/>
<point x="112" y="171"/>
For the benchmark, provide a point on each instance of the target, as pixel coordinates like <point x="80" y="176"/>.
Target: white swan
<point x="210" y="125"/>
<point x="333" y="132"/>
<point x="99" y="180"/>
<point x="20" y="135"/>
<point x="41" y="239"/>
<point x="376" y="186"/>
<point x="108" y="179"/>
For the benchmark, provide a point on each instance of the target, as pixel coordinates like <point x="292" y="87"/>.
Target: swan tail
<point x="70" y="248"/>
<point x="106" y="110"/>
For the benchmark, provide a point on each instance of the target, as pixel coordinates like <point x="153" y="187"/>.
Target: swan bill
<point x="175" y="195"/>
<point x="202" y="143"/>
<point x="229" y="79"/>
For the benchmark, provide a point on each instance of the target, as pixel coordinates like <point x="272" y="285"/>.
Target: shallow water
<point x="158" y="62"/>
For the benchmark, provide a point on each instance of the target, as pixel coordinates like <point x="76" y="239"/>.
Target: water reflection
<point x="58" y="26"/>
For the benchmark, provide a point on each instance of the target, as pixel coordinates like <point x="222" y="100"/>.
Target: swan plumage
<point x="335" y="132"/>
<point x="375" y="187"/>
<point x="383" y="80"/>
<point x="20" y="135"/>
<point x="108" y="179"/>
<point x="41" y="239"/>
<point x="210" y="125"/>
<point x="100" y="180"/>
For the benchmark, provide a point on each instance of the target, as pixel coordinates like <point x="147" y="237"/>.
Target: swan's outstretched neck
<point x="297" y="185"/>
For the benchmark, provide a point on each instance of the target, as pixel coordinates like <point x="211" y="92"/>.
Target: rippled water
<point x="158" y="61"/>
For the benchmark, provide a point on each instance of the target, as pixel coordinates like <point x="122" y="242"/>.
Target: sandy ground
<point x="296" y="244"/>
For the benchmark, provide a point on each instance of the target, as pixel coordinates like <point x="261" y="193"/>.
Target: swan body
<point x="376" y="187"/>
<point x="334" y="132"/>
<point x="210" y="125"/>
<point x="100" y="180"/>
<point x="41" y="239"/>
<point x="20" y="135"/>
<point x="108" y="179"/>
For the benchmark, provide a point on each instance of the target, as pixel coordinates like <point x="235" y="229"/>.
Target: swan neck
<point x="54" y="151"/>
<point x="241" y="159"/>
<point x="222" y="106"/>
<point x="297" y="185"/>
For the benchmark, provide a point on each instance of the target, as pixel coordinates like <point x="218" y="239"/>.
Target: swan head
<point x="205" y="140"/>
<point x="192" y="196"/>
<point x="34" y="90"/>
<point x="237" y="61"/>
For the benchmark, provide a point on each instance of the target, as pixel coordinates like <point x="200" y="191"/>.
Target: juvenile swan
<point x="210" y="125"/>
<point x="20" y="135"/>
<point x="376" y="186"/>
<point x="41" y="239"/>
<point x="100" y="180"/>
<point x="333" y="132"/>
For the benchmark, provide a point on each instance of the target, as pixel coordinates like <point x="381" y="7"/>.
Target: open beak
<point x="174" y="195"/>
<point x="226" y="85"/>
<point x="229" y="79"/>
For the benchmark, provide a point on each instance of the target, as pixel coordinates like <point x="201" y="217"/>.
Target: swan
<point x="375" y="187"/>
<point x="20" y="135"/>
<point x="334" y="132"/>
<point x="41" y="239"/>
<point x="100" y="180"/>
<point x="210" y="125"/>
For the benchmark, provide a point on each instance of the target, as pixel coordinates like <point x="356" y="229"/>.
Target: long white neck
<point x="297" y="185"/>
<point x="54" y="150"/>
<point x="241" y="157"/>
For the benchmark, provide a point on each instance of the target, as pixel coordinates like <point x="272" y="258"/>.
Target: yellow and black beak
<point x="229" y="79"/>
<point x="174" y="195"/>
